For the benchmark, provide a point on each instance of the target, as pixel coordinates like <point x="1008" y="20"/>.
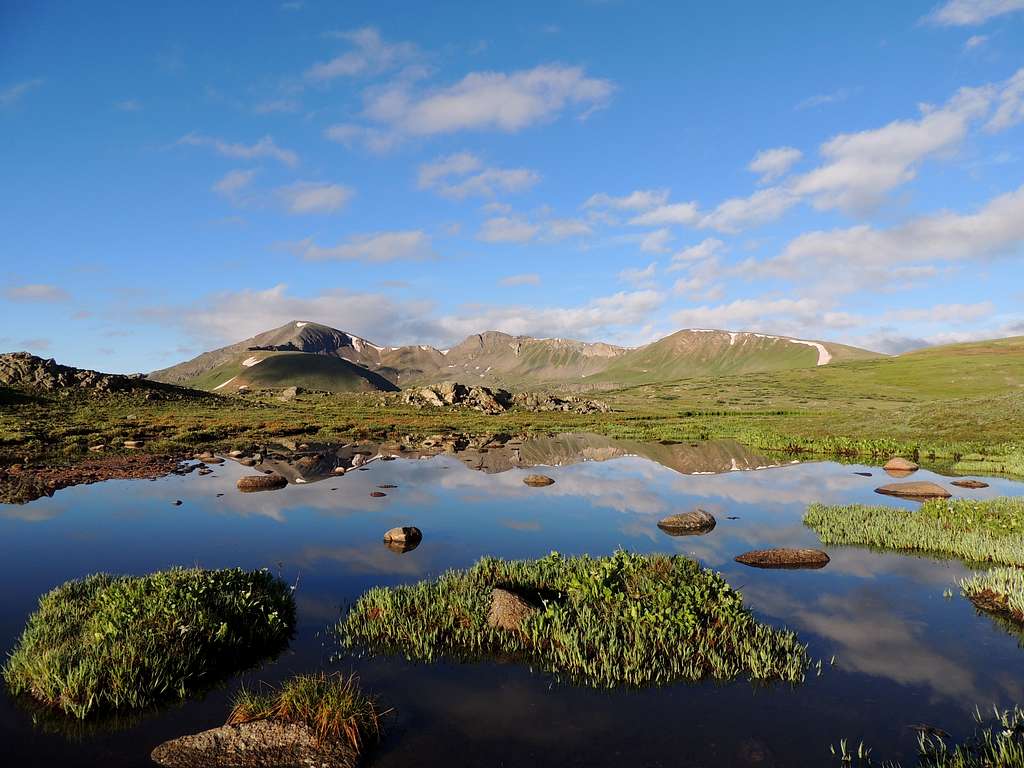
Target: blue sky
<point x="175" y="179"/>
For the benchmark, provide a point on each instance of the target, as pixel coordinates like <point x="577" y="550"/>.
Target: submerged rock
<point x="784" y="557"/>
<point x="259" y="744"/>
<point x="269" y="482"/>
<point x="899" y="464"/>
<point x="696" y="521"/>
<point x="970" y="484"/>
<point x="922" y="489"/>
<point x="508" y="610"/>
<point x="538" y="481"/>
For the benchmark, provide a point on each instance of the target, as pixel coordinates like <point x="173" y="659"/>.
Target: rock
<point x="508" y="610"/>
<point x="290" y="393"/>
<point x="784" y="557"/>
<point x="970" y="484"/>
<point x="98" y="447"/>
<point x="696" y="521"/>
<point x="236" y="454"/>
<point x="247" y="462"/>
<point x="538" y="481"/>
<point x="269" y="482"/>
<point x="540" y="402"/>
<point x="358" y="460"/>
<point x="134" y="443"/>
<point x="377" y="494"/>
<point x="176" y="503"/>
<point x="213" y="460"/>
<point x="863" y="474"/>
<point x="339" y="470"/>
<point x="259" y="744"/>
<point x="899" y="464"/>
<point x="404" y="535"/>
<point x="205" y="471"/>
<point x="921" y="489"/>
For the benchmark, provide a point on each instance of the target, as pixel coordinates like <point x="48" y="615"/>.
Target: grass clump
<point x="990" y="531"/>
<point x="106" y="643"/>
<point x="333" y="707"/>
<point x="627" y="619"/>
<point x="999" y="591"/>
<point x="997" y="742"/>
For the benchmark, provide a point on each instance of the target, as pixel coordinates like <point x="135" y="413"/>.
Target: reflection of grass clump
<point x="976" y="531"/>
<point x="998" y="742"/>
<point x="626" y="619"/>
<point x="331" y="706"/>
<point x="106" y="642"/>
<point x="999" y="592"/>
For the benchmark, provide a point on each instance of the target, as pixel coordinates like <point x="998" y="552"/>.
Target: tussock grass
<point x="990" y="531"/>
<point x="627" y="619"/>
<point x="997" y="742"/>
<point x="999" y="591"/>
<point x="334" y="707"/>
<point x="107" y="643"/>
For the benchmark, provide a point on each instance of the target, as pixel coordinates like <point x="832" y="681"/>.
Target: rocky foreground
<point x="451" y="394"/>
<point x="25" y="371"/>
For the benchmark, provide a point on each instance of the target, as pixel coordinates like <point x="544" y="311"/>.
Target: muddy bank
<point x="22" y="483"/>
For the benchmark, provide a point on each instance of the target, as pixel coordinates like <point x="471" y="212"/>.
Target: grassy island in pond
<point x="106" y="643"/>
<point x="999" y="592"/>
<point x="990" y="531"/>
<point x="626" y="619"/>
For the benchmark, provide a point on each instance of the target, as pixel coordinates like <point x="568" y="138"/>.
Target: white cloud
<point x="559" y="229"/>
<point x="637" y="200"/>
<point x="36" y="292"/>
<point x="265" y="147"/>
<point x="773" y="163"/>
<point x="463" y="175"/>
<point x="411" y="245"/>
<point x="941" y="313"/>
<point x="1010" y="104"/>
<point x="962" y="13"/>
<point x="821" y="99"/>
<point x="488" y="100"/>
<point x="304" y="197"/>
<point x="12" y="94"/>
<point x="656" y="241"/>
<point x="233" y="182"/>
<point x="675" y="213"/>
<point x="507" y="229"/>
<point x="705" y="249"/>
<point x="740" y="212"/>
<point x="369" y="55"/>
<point x="975" y="41"/>
<point x="638" y="276"/>
<point x="524" y="279"/>
<point x="771" y="315"/>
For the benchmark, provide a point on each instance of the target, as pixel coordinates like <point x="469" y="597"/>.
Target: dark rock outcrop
<point x="696" y="521"/>
<point x="784" y="557"/>
<point x="493" y="401"/>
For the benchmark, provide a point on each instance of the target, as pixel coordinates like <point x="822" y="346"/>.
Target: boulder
<point x="251" y="483"/>
<point x="247" y="462"/>
<point x="508" y="610"/>
<point x="236" y="454"/>
<point x="404" y="535"/>
<point x="339" y="470"/>
<point x="784" y="557"/>
<point x="899" y="464"/>
<point x="696" y="521"/>
<point x="969" y="484"/>
<point x="290" y="393"/>
<point x="134" y="443"/>
<point x="921" y="489"/>
<point x="259" y="744"/>
<point x="538" y="481"/>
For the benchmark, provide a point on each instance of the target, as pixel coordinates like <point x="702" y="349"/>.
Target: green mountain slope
<point x="276" y="370"/>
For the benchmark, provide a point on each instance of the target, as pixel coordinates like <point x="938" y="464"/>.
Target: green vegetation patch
<point x="990" y="531"/>
<point x="334" y="707"/>
<point x="999" y="592"/>
<point x="627" y="619"/>
<point x="106" y="643"/>
<point x="997" y="742"/>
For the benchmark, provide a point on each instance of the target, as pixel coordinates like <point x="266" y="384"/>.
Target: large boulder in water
<point x="538" y="481"/>
<point x="899" y="464"/>
<point x="690" y="523"/>
<point x="784" y="557"/>
<point x="919" y="490"/>
<point x="251" y="483"/>
<point x="259" y="744"/>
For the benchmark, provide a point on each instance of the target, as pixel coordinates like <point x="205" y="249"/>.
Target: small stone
<point x="251" y="483"/>
<point x="969" y="484"/>
<point x="784" y="557"/>
<point x="339" y="470"/>
<point x="917" y="490"/>
<point x="899" y="464"/>
<point x="538" y="481"/>
<point x="696" y="521"/>
<point x="377" y="494"/>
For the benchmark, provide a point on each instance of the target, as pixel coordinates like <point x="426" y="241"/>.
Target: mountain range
<point x="315" y="356"/>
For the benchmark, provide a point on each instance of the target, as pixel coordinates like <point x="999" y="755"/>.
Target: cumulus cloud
<point x="637" y="200"/>
<point x="770" y="164"/>
<point x="639" y="276"/>
<point x="674" y="213"/>
<point x="759" y="314"/>
<point x="975" y="41"/>
<point x="1010" y="106"/>
<point x="559" y="229"/>
<point x="12" y="94"/>
<point x="369" y="54"/>
<point x="656" y="241"/>
<point x="36" y="292"/>
<point x="410" y="245"/>
<point x="507" y="229"/>
<point x="739" y="213"/>
<point x="264" y="148"/>
<point x="464" y="175"/>
<point x="705" y="249"/>
<point x="530" y="278"/>
<point x="231" y="184"/>
<point x="305" y="197"/>
<point x="963" y="13"/>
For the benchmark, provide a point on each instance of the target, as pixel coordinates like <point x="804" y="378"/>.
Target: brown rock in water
<point x="508" y="610"/>
<point x="259" y="744"/>
<point x="784" y="557"/>
<point x="339" y="470"/>
<point x="970" y="484"/>
<point x="899" y="464"/>
<point x="247" y="462"/>
<point x="404" y="535"/>
<point x="538" y="481"/>
<point x="690" y="523"/>
<point x="377" y="494"/>
<point x="251" y="483"/>
<point x="919" y="490"/>
<point x="213" y="460"/>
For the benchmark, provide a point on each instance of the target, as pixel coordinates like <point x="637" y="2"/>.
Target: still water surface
<point x="904" y="654"/>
